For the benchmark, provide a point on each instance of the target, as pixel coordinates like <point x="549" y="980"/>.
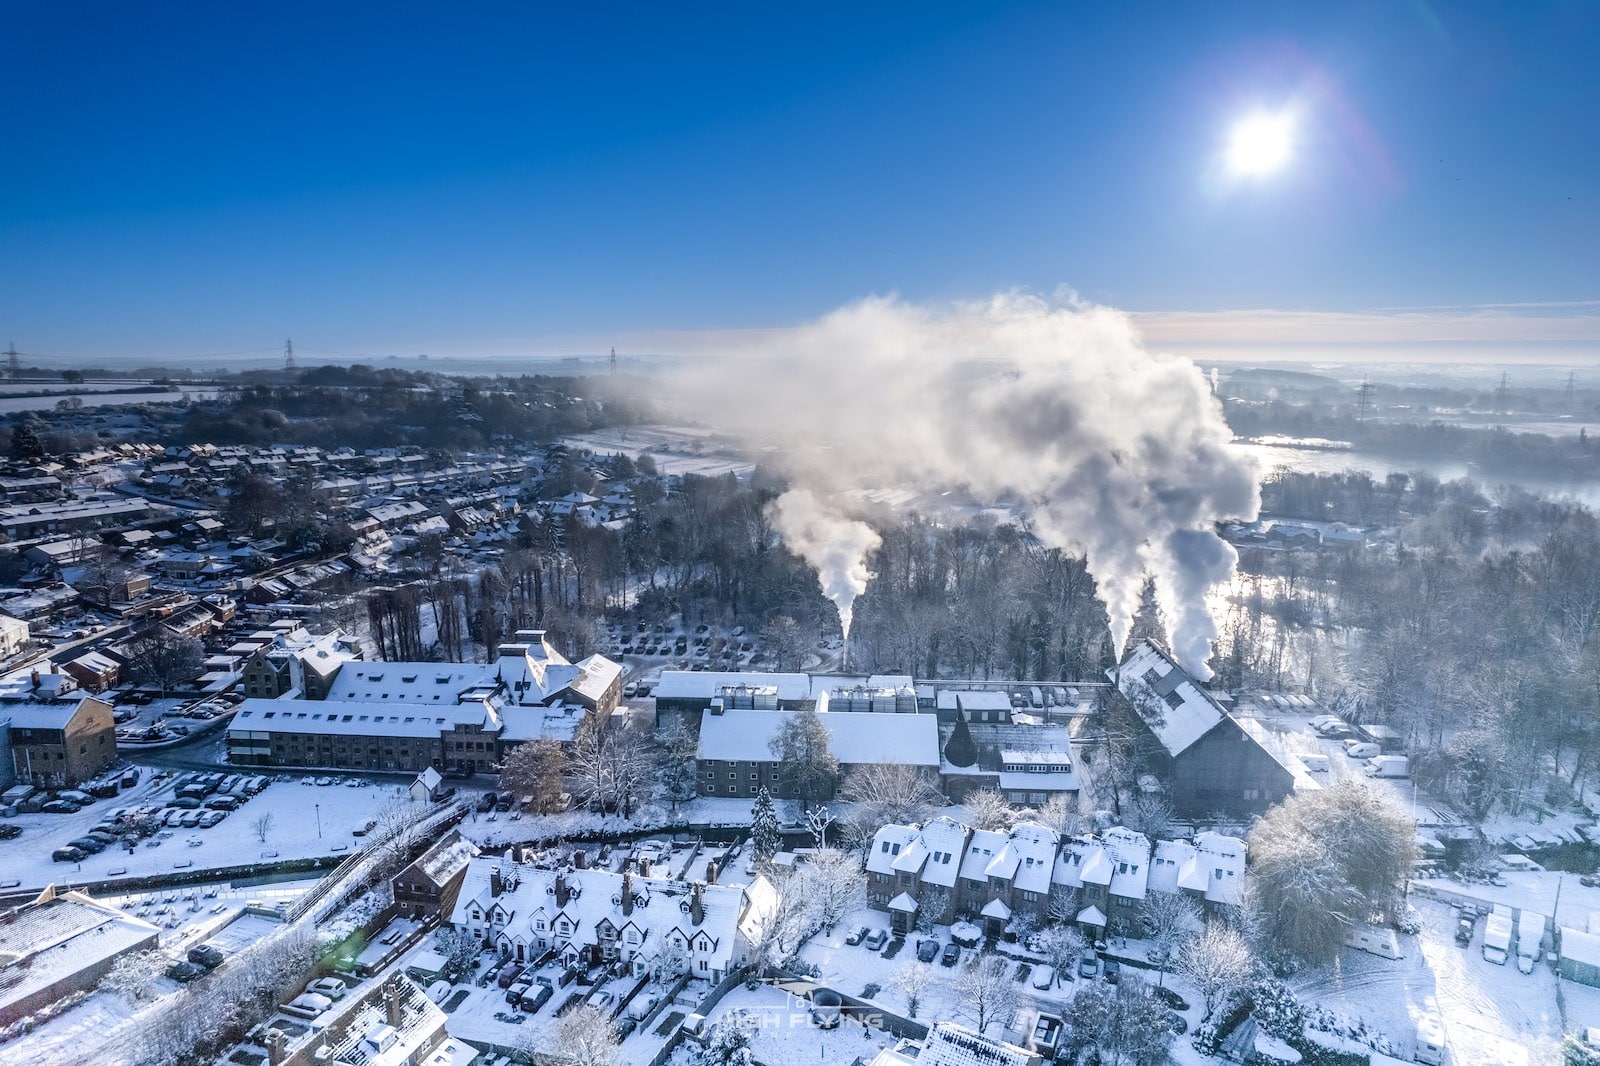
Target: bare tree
<point x="612" y="765"/>
<point x="819" y="820"/>
<point x="584" y="1037"/>
<point x="1063" y="904"/>
<point x="986" y="989"/>
<point x="678" y="752"/>
<point x="262" y="825"/>
<point x="1169" y="918"/>
<point x="910" y="980"/>
<point x="1062" y="946"/>
<point x="159" y="656"/>
<point x="833" y="883"/>
<point x="134" y="975"/>
<point x="888" y="794"/>
<point x="1060" y="814"/>
<point x="1150" y="814"/>
<point x="1218" y="963"/>
<point x="537" y="770"/>
<point x="988" y="809"/>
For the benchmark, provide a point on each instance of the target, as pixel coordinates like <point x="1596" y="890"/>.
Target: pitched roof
<point x="1177" y="710"/>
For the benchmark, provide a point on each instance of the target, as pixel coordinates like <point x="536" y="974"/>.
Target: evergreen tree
<point x="961" y="751"/>
<point x="764" y="838"/>
<point x="806" y="766"/>
<point x="25" y="444"/>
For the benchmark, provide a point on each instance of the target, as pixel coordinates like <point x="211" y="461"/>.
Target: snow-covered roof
<point x="1170" y="857"/>
<point x="907" y="739"/>
<point x="996" y="908"/>
<point x="43" y="715"/>
<point x="903" y="902"/>
<point x="1273" y="745"/>
<point x="1222" y="860"/>
<point x="1580" y="946"/>
<point x="887" y="844"/>
<point x="1035" y="847"/>
<point x="981" y="851"/>
<point x="60" y="935"/>
<point x="931" y="850"/>
<point x="421" y="683"/>
<point x="1178" y="711"/>
<point x="950" y="699"/>
<point x="1131" y="853"/>
<point x="707" y="685"/>
<point x="1092" y="916"/>
<point x="661" y="909"/>
<point x="949" y="1044"/>
<point x="343" y="718"/>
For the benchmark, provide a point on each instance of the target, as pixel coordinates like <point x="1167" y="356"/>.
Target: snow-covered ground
<point x="1492" y="1015"/>
<point x="783" y="1033"/>
<point x="306" y="821"/>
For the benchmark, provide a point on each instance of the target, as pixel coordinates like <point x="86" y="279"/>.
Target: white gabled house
<point x="596" y="917"/>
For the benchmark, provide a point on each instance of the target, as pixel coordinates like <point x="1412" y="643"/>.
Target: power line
<point x="288" y="355"/>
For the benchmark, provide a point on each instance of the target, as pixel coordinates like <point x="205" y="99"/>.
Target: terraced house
<point x="593" y="917"/>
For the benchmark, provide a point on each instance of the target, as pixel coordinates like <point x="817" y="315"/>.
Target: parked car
<point x="1170" y="998"/>
<point x="875" y="940"/>
<point x="205" y="955"/>
<point x="1177" y="1023"/>
<point x="211" y="818"/>
<point x="1089" y="965"/>
<point x="508" y="976"/>
<point x="503" y="805"/>
<point x="602" y="1000"/>
<point x="331" y="987"/>
<point x="857" y="935"/>
<point x="927" y="950"/>
<point x="61" y="807"/>
<point x="1044" y="977"/>
<point x="10" y="832"/>
<point x="184" y="972"/>
<point x="1464" y="931"/>
<point x="951" y="953"/>
<point x="89" y="844"/>
<point x="1111" y="971"/>
<point x="69" y="854"/>
<point x="515" y="993"/>
<point x="537" y="995"/>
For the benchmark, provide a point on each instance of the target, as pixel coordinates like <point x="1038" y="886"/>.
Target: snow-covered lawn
<point x="307" y="820"/>
<point x="59" y="1041"/>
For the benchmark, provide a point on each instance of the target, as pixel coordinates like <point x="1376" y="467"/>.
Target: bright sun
<point x="1261" y="144"/>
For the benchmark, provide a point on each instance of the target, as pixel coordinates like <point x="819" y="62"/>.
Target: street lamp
<point x="318" y="807"/>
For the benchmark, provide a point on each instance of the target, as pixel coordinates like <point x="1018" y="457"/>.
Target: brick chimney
<point x="275" y="1046"/>
<point x="497" y="884"/>
<point x="580" y="859"/>
<point x="644" y="866"/>
<point x="697" y="905"/>
<point x="711" y="871"/>
<point x="627" y="894"/>
<point x="391" y="1004"/>
<point x="561" y="890"/>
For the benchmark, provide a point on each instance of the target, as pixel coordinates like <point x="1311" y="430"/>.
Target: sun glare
<point x="1261" y="144"/>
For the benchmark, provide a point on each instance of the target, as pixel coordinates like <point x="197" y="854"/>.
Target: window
<point x="733" y="776"/>
<point x="1174" y="699"/>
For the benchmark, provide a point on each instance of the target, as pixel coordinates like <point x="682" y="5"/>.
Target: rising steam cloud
<point x="837" y="546"/>
<point x="1110" y="450"/>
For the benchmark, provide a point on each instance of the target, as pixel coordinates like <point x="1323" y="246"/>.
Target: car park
<point x="928" y="950"/>
<point x="952" y="953"/>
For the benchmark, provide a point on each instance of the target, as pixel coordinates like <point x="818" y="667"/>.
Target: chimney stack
<point x="391" y="1004"/>
<point x="697" y="906"/>
<point x="561" y="890"/>
<point x="580" y="859"/>
<point x="497" y="884"/>
<point x="711" y="871"/>
<point x="275" y="1041"/>
<point x="627" y="894"/>
<point x="644" y="866"/>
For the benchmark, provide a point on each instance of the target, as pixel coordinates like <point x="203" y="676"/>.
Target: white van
<point x="1317" y="764"/>
<point x="1430" y="1041"/>
<point x="1389" y="766"/>
<point x="1357" y="749"/>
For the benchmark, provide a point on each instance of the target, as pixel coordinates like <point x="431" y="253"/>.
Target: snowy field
<point x="306" y="821"/>
<point x="676" y="450"/>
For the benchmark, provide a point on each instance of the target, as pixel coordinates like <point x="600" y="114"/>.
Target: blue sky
<point x="187" y="179"/>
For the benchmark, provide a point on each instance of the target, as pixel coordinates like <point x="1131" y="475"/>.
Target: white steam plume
<point x="837" y="546"/>
<point x="1111" y="450"/>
